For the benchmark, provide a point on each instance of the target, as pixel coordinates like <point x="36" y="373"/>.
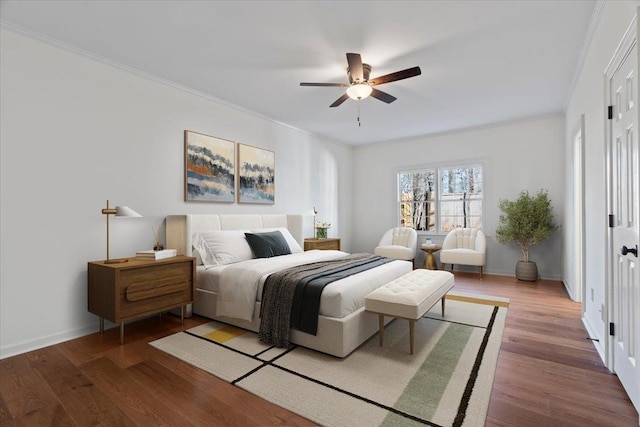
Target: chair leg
<point x="480" y="272"/>
<point x="451" y="268"/>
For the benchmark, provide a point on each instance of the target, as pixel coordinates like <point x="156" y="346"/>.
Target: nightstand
<point x="328" y="243"/>
<point x="138" y="288"/>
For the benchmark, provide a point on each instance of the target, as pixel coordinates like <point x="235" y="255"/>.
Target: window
<point x="438" y="200"/>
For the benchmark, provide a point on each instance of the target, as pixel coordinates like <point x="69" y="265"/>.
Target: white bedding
<point x="343" y="323"/>
<point x="239" y="285"/>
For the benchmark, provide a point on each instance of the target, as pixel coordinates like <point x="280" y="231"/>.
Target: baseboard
<point x="26" y="346"/>
<point x="599" y="346"/>
<point x="511" y="273"/>
<point x="569" y="290"/>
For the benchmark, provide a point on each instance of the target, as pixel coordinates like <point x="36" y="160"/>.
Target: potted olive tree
<point x="526" y="221"/>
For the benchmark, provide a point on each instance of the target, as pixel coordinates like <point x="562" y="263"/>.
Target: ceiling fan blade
<point x="355" y="67"/>
<point x="383" y="96"/>
<point x="340" y="100"/>
<point x="325" y="84"/>
<point x="398" y="75"/>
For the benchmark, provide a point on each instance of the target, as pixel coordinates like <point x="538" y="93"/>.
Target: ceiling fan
<point x="360" y="86"/>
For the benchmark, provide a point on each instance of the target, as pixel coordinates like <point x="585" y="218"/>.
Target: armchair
<point x="465" y="246"/>
<point x="398" y="243"/>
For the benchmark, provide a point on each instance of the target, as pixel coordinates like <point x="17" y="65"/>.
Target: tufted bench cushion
<point x="409" y="296"/>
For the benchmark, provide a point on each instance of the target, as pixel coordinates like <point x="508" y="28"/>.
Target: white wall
<point x="527" y="155"/>
<point x="75" y="132"/>
<point x="588" y="98"/>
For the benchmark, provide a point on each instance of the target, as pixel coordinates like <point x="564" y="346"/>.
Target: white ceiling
<point x="482" y="61"/>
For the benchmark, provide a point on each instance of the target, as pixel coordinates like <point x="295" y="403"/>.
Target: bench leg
<point x="381" y="328"/>
<point x="412" y="330"/>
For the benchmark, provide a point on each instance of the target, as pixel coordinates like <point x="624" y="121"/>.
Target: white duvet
<point x="238" y="286"/>
<point x="239" y="282"/>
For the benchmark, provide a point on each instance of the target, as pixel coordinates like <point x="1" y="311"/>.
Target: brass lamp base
<point x="116" y="261"/>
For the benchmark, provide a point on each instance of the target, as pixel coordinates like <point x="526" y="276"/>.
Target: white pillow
<point x="294" y="246"/>
<point x="222" y="247"/>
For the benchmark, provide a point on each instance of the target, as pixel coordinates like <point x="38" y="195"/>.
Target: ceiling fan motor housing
<point x="366" y="72"/>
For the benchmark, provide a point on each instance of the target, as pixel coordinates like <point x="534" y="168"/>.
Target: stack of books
<point x="151" y="254"/>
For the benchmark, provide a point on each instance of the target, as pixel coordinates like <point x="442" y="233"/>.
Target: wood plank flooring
<point x="548" y="374"/>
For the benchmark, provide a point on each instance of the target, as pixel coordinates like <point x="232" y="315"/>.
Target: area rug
<point x="446" y="382"/>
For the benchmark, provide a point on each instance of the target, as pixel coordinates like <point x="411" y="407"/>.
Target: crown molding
<point x="593" y="25"/>
<point x="84" y="53"/>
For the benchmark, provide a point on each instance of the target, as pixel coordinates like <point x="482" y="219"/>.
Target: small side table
<point x="429" y="261"/>
<point x="328" y="243"/>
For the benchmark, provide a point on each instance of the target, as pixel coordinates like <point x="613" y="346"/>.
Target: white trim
<point x="152" y="77"/>
<point x="46" y="341"/>
<point x="593" y="25"/>
<point x="567" y="288"/>
<point x="499" y="124"/>
<point x="437" y="166"/>
<point x="597" y="344"/>
<point x="579" y="220"/>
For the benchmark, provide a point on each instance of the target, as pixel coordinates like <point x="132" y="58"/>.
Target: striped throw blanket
<point x="291" y="297"/>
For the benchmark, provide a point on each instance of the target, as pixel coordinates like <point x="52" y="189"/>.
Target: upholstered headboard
<point x="181" y="228"/>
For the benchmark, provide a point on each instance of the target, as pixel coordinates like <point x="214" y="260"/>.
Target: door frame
<point x="578" y="253"/>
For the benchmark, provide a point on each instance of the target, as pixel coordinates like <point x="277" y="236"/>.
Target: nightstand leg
<point x="182" y="314"/>
<point x="122" y="332"/>
<point x="102" y="325"/>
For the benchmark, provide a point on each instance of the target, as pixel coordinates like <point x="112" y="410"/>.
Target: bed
<point x="342" y="324"/>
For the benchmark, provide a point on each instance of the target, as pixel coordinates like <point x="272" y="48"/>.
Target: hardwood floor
<point x="548" y="375"/>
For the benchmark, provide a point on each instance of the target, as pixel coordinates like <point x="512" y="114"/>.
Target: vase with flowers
<point x="321" y="229"/>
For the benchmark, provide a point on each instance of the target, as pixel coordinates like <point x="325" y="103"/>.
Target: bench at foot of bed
<point x="409" y="297"/>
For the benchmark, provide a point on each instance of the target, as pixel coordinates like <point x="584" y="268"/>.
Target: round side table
<point x="429" y="261"/>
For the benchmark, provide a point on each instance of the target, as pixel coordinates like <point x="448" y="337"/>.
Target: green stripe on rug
<point x="422" y="395"/>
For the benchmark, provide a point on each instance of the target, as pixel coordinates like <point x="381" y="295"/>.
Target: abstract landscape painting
<point x="256" y="169"/>
<point x="209" y="168"/>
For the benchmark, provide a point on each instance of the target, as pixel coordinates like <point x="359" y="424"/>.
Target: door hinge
<point x="610" y="220"/>
<point x="610" y="112"/>
<point x="612" y="329"/>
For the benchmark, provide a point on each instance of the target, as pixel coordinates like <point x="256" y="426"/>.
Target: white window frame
<point x="437" y="168"/>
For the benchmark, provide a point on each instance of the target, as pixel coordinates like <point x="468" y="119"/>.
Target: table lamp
<point x="313" y="212"/>
<point x="119" y="211"/>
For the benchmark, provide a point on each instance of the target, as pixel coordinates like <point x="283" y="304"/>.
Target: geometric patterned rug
<point x="446" y="382"/>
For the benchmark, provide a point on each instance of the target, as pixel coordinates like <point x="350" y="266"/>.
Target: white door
<point x="624" y="264"/>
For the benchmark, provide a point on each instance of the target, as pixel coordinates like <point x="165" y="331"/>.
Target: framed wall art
<point x="209" y="170"/>
<point x="256" y="175"/>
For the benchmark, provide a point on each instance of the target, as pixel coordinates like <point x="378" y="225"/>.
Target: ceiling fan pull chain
<point x="359" y="122"/>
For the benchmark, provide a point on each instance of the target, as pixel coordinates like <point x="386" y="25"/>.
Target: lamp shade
<point x="126" y="212"/>
<point x="359" y="91"/>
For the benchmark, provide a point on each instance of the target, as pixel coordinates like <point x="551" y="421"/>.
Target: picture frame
<point x="209" y="168"/>
<point x="256" y="175"/>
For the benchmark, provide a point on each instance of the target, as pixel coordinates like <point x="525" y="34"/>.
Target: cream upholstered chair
<point x="465" y="246"/>
<point x="398" y="243"/>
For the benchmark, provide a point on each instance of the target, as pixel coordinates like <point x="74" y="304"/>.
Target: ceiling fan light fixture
<point x="359" y="91"/>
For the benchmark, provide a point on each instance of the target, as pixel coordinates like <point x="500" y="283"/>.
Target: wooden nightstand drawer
<point x="155" y="274"/>
<point x="138" y="302"/>
<point x="330" y="243"/>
